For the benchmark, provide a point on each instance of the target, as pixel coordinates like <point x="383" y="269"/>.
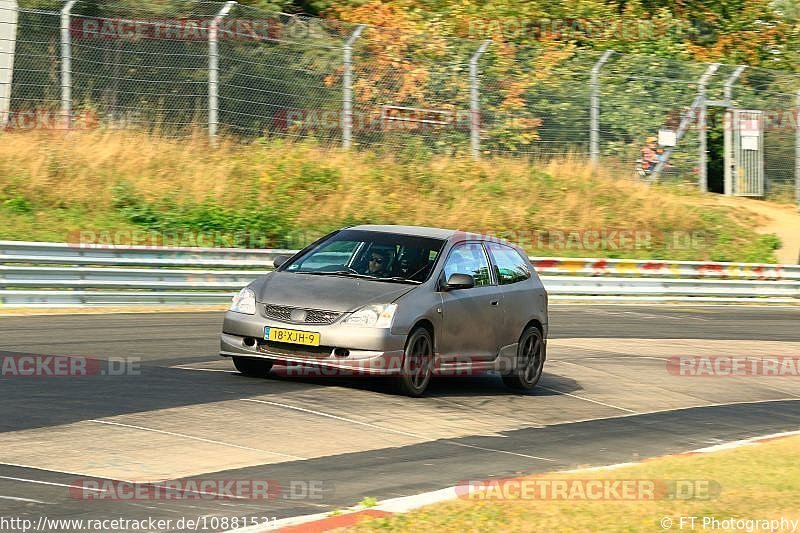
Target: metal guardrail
<point x="41" y="253"/>
<point x="55" y="274"/>
<point x="655" y="268"/>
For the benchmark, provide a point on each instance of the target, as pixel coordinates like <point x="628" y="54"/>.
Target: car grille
<point x="294" y="350"/>
<point x="309" y="316"/>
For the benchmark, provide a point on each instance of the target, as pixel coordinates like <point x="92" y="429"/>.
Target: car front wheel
<point x="530" y="361"/>
<point x="252" y="366"/>
<point x="417" y="366"/>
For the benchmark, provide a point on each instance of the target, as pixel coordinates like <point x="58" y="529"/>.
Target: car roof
<point x="435" y="233"/>
<point x="416" y="231"/>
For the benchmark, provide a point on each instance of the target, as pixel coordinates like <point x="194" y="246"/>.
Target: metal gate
<point x="744" y="152"/>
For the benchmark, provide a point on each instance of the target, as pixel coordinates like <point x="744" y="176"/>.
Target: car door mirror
<point x="279" y="260"/>
<point x="459" y="281"/>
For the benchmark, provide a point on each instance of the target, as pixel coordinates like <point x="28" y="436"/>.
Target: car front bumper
<point x="369" y="350"/>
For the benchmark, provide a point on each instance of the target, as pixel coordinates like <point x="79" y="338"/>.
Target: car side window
<point x="468" y="258"/>
<point x="511" y="267"/>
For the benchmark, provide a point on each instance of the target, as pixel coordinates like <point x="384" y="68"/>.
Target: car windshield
<point x="371" y="254"/>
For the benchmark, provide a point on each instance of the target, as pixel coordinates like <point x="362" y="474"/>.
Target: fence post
<point x="347" y="87"/>
<point x="594" y="111"/>
<point x="728" y="103"/>
<point x="8" y="39"/>
<point x="66" y="65"/>
<point x="213" y="71"/>
<point x="702" y="163"/>
<point x="797" y="151"/>
<point x="699" y="100"/>
<point x="474" y="102"/>
<point x="728" y="87"/>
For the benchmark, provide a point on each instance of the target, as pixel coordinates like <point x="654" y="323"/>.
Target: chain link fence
<point x="229" y="69"/>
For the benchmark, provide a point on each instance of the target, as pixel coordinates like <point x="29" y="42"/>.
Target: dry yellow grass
<point x="324" y="188"/>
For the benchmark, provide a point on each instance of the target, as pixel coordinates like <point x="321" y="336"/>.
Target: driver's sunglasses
<point x="376" y="260"/>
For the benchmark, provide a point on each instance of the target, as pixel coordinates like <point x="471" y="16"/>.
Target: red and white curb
<point x="322" y="522"/>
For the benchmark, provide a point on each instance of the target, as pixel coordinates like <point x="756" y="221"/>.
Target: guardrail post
<point x="594" y="111"/>
<point x="213" y="71"/>
<point x="66" y="65"/>
<point x="8" y="38"/>
<point x="347" y="87"/>
<point x="474" y="102"/>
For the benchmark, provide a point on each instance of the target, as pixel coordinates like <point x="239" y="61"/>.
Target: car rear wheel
<point x="252" y="366"/>
<point x="530" y="361"/>
<point x="417" y="366"/>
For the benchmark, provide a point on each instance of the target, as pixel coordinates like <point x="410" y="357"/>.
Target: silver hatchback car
<point x="403" y="301"/>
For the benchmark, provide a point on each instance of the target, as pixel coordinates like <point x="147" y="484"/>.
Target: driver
<point x="376" y="265"/>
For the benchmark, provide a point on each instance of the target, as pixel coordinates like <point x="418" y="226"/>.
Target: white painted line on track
<point x="201" y="439"/>
<point x="590" y="400"/>
<point x="70" y="472"/>
<point x="204" y="369"/>
<point x="610" y="355"/>
<point x="745" y="442"/>
<point x="598" y="468"/>
<point x="81" y="487"/>
<point x="390" y="430"/>
<point x="27" y="500"/>
<point x="649" y="315"/>
<point x="38" y="482"/>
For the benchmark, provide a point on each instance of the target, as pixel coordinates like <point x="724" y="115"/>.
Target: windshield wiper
<point x="351" y="274"/>
<point x="335" y="273"/>
<point x="393" y="279"/>
<point x="398" y="279"/>
<point x="347" y="273"/>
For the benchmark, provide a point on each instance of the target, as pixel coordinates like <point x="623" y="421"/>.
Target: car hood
<point x="332" y="293"/>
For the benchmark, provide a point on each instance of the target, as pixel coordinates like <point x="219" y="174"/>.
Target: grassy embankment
<point x="759" y="482"/>
<point x="273" y="193"/>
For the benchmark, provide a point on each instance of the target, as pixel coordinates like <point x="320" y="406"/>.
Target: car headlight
<point x="372" y="316"/>
<point x="244" y="302"/>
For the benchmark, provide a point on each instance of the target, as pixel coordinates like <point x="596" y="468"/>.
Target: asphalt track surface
<point x="185" y="414"/>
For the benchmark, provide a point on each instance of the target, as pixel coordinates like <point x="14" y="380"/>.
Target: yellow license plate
<point x="292" y="336"/>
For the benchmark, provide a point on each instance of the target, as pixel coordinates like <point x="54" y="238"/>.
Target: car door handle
<point x="495" y="302"/>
